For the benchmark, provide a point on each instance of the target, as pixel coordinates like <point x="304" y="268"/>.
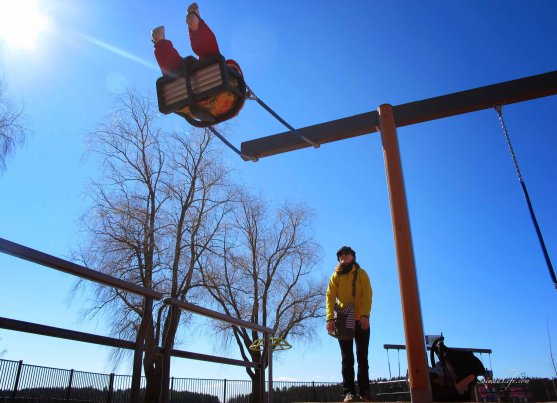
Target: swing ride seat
<point x="277" y="343"/>
<point x="205" y="93"/>
<point x="454" y="366"/>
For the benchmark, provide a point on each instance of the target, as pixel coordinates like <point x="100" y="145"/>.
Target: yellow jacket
<point x="340" y="291"/>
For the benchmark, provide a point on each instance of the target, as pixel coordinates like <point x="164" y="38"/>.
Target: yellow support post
<point x="420" y="387"/>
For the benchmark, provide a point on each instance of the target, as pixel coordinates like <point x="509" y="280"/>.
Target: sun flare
<point x="21" y="23"/>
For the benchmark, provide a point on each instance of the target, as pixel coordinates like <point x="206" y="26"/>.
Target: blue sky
<point x="482" y="277"/>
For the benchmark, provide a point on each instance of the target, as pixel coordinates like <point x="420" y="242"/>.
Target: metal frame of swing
<point x="399" y="347"/>
<point x="400" y="379"/>
<point x="491" y="96"/>
<point x="386" y="119"/>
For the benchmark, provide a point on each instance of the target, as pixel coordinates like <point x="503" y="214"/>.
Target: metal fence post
<point x="313" y="392"/>
<point x="270" y="367"/>
<point x="262" y="380"/>
<point x="171" y="388"/>
<point x="69" y="390"/>
<point x="224" y="394"/>
<point x="16" y="383"/>
<point x="110" y="388"/>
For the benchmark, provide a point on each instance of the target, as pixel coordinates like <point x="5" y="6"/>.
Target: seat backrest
<point x="208" y="91"/>
<point x="174" y="91"/>
<point x="206" y="80"/>
<point x="463" y="363"/>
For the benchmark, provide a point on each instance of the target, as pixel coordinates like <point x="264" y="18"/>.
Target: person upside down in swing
<point x="202" y="39"/>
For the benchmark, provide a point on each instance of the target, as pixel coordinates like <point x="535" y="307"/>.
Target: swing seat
<point x="454" y="377"/>
<point x="205" y="93"/>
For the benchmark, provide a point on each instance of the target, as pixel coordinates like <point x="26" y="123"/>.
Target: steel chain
<point x="499" y="109"/>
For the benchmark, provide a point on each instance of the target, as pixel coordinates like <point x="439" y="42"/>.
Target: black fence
<point x="30" y="383"/>
<point x="21" y="382"/>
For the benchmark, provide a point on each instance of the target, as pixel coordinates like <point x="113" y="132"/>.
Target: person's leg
<point x="362" y="345"/>
<point x="347" y="354"/>
<point x="202" y="39"/>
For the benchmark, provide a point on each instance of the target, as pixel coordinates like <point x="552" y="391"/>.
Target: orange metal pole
<point x="420" y="387"/>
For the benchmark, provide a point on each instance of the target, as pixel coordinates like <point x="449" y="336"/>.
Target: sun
<point x="21" y="23"/>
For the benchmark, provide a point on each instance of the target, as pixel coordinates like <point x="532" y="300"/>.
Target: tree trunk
<point x="152" y="365"/>
<point x="171" y="326"/>
<point x="255" y="387"/>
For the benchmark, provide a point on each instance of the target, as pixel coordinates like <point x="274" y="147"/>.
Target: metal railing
<point x="53" y="262"/>
<point x="149" y="296"/>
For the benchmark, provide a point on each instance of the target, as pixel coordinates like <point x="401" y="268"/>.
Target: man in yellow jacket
<point x="340" y="292"/>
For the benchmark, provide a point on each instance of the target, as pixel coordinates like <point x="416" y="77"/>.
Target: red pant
<point x="203" y="41"/>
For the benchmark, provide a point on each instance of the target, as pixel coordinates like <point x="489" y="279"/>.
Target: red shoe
<point x="193" y="8"/>
<point x="193" y="17"/>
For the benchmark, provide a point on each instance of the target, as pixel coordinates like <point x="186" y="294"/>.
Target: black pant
<point x="347" y="352"/>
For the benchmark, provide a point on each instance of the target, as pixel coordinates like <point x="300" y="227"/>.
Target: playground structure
<point x="385" y="120"/>
<point x="399" y="347"/>
<point x="277" y="344"/>
<point x="149" y="295"/>
<point x="454" y="376"/>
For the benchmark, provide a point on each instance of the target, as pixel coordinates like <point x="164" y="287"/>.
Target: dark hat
<point x="345" y="249"/>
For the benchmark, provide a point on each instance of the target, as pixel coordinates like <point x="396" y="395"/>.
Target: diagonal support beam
<point x="508" y="92"/>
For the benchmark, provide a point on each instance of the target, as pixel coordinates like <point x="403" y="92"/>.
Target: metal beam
<point x="508" y="92"/>
<point x="322" y="133"/>
<point x="212" y="358"/>
<point x="472" y="350"/>
<point x="217" y="315"/>
<point x="44" y="259"/>
<point x="43" y="330"/>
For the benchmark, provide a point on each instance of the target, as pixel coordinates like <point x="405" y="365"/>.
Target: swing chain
<point x="251" y="96"/>
<point x="226" y="142"/>
<point x="499" y="109"/>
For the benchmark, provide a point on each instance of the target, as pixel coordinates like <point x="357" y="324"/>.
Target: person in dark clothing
<point x="340" y="293"/>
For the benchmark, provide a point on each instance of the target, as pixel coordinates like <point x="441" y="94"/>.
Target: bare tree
<point x="156" y="211"/>
<point x="262" y="273"/>
<point x="12" y="132"/>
